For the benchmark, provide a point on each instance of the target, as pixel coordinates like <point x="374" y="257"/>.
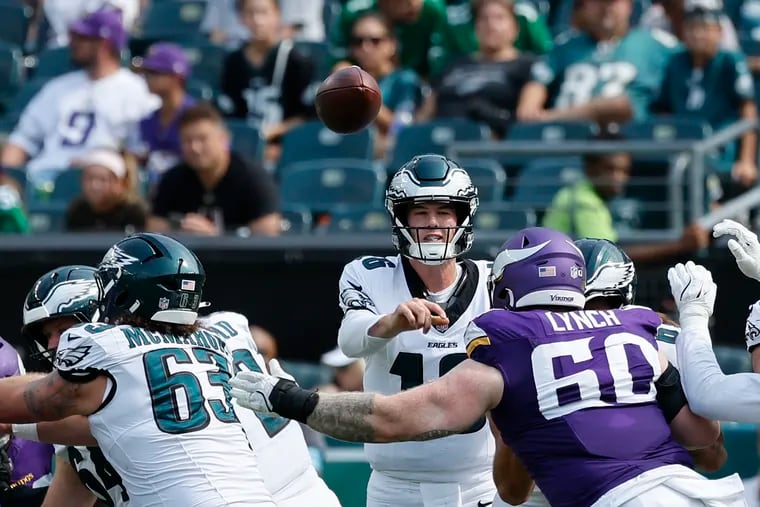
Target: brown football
<point x="348" y="100"/>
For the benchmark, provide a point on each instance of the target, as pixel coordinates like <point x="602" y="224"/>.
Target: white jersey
<point x="167" y="424"/>
<point x="279" y="444"/>
<point x="73" y="113"/>
<point x="372" y="286"/>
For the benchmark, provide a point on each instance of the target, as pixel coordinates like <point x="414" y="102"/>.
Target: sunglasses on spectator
<point x="358" y="40"/>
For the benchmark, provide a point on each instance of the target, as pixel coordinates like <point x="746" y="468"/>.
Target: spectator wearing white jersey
<point x="92" y="107"/>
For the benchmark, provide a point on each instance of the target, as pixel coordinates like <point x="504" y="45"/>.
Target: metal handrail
<point x="691" y="156"/>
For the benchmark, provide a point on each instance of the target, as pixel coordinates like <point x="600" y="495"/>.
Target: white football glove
<point x="752" y="329"/>
<point x="693" y="289"/>
<point x="745" y="248"/>
<point x="252" y="389"/>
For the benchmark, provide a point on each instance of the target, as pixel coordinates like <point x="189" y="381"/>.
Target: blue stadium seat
<point x="67" y="186"/>
<point x="666" y="128"/>
<point x="11" y="72"/>
<point x="52" y="62"/>
<point x="246" y="139"/>
<point x="172" y="20"/>
<point x="541" y="179"/>
<point x="321" y="185"/>
<point x="733" y="359"/>
<point x="317" y="52"/>
<point x="14" y="23"/>
<point x="503" y="216"/>
<point x="740" y="440"/>
<point x="488" y="176"/>
<point x="551" y="131"/>
<point x="24" y="95"/>
<point x="18" y="174"/>
<point x="360" y="219"/>
<point x="201" y="90"/>
<point x="433" y="137"/>
<point x="207" y="61"/>
<point x="296" y="220"/>
<point x="313" y="141"/>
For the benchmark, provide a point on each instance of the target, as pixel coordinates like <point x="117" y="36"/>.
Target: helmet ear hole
<point x="121" y="298"/>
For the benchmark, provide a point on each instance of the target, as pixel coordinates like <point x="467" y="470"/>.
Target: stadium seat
<point x="309" y="375"/>
<point x="172" y="20"/>
<point x="317" y="53"/>
<point x="313" y="141"/>
<point x="296" y="220"/>
<point x="11" y="72"/>
<point x="14" y="23"/>
<point x="488" y="176"/>
<point x="67" y="186"/>
<point x="207" y="61"/>
<point x="360" y="219"/>
<point x="433" y="137"/>
<point x="321" y="185"/>
<point x="649" y="172"/>
<point x="52" y="62"/>
<point x="732" y="359"/>
<point x="201" y="90"/>
<point x="246" y="139"/>
<point x="541" y="179"/>
<point x="24" y="95"/>
<point x="18" y="174"/>
<point x="503" y="217"/>
<point x="551" y="131"/>
<point x="740" y="440"/>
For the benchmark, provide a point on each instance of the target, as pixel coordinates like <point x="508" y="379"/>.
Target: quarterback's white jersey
<point x="372" y="286"/>
<point x="73" y="113"/>
<point x="167" y="424"/>
<point x="283" y="456"/>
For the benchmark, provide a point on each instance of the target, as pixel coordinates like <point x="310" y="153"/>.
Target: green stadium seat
<point x="361" y="219"/>
<point x="503" y="216"/>
<point x="740" y="440"/>
<point x="313" y="141"/>
<point x="433" y="137"/>
<point x="201" y="90"/>
<point x="733" y="359"/>
<point x="24" y="95"/>
<point x="207" y="61"/>
<point x="246" y="139"/>
<point x="488" y="176"/>
<point x="321" y="185"/>
<point x="347" y="472"/>
<point x="296" y="220"/>
<point x="18" y="174"/>
<point x="551" y="131"/>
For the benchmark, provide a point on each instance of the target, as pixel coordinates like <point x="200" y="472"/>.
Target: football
<point x="348" y="100"/>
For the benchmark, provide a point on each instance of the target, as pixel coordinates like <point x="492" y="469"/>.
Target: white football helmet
<point x="431" y="178"/>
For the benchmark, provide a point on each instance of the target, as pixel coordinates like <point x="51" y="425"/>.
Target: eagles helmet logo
<point x="117" y="258"/>
<point x="71" y="357"/>
<point x="613" y="275"/>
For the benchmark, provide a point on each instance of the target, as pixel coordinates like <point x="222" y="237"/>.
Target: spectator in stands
<point x="709" y="84"/>
<point x="61" y="13"/>
<point x="107" y="202"/>
<point x="604" y="71"/>
<point x="265" y="342"/>
<point x="348" y="372"/>
<point x="266" y="80"/>
<point x="222" y="24"/>
<point x="213" y="190"/>
<point x="373" y="48"/>
<point x="670" y="16"/>
<point x="303" y="19"/>
<point x="13" y="220"/>
<point x="485" y="85"/>
<point x="581" y="209"/>
<point x="154" y="142"/>
<point x="533" y="34"/>
<point x="93" y="107"/>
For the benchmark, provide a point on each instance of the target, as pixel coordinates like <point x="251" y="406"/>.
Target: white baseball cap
<point x="104" y="157"/>
<point x="336" y="359"/>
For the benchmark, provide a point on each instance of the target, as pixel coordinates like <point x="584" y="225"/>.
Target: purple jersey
<point x="31" y="461"/>
<point x="579" y="405"/>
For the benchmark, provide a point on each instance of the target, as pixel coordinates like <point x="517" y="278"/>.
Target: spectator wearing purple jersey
<point x="25" y="466"/>
<point x="154" y="142"/>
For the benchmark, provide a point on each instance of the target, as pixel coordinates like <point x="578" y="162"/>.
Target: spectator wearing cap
<point x="670" y="16"/>
<point x="93" y="107"/>
<point x="106" y="203"/>
<point x="213" y="189"/>
<point x="155" y="140"/>
<point x="713" y="85"/>
<point x="348" y="372"/>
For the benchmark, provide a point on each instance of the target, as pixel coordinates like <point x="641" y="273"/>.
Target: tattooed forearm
<point x="50" y="398"/>
<point x="345" y="417"/>
<point x="354" y="417"/>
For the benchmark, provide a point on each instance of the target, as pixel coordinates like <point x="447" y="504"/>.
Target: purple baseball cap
<point x="166" y="58"/>
<point x="106" y="24"/>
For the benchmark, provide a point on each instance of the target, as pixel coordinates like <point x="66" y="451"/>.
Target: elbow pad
<point x="670" y="395"/>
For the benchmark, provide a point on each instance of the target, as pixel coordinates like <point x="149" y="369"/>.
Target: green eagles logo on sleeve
<point x="68" y="358"/>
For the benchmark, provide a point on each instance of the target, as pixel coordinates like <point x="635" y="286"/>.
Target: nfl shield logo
<point x="163" y="303"/>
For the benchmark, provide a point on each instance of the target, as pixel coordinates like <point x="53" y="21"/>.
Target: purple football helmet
<point x="538" y="267"/>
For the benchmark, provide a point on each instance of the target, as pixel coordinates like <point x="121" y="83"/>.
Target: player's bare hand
<point x="414" y="314"/>
<point x="198" y="224"/>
